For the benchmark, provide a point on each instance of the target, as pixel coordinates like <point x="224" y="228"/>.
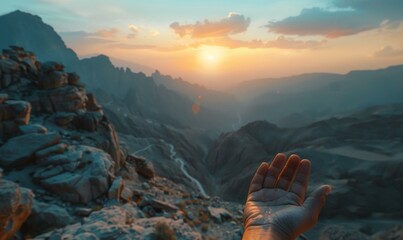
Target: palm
<point x="276" y="197"/>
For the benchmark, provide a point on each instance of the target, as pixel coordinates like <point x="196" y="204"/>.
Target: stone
<point x="90" y="120"/>
<point x="15" y="207"/>
<point x="32" y="128"/>
<point x="8" y="66"/>
<point x="20" y="150"/>
<point x="92" y="104"/>
<point x="13" y="109"/>
<point x="219" y="214"/>
<point x="143" y="167"/>
<point x="79" y="175"/>
<point x="67" y="99"/>
<point x="45" y="217"/>
<point x="73" y="78"/>
<point x="83" y="212"/>
<point x="163" y="206"/>
<point x="64" y="118"/>
<point x="181" y="229"/>
<point x="115" y="191"/>
<point x="55" y="149"/>
<point x="127" y="194"/>
<point x="53" y="79"/>
<point x="51" y="66"/>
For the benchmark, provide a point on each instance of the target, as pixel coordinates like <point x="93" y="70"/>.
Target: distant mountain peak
<point x="21" y="14"/>
<point x="30" y="32"/>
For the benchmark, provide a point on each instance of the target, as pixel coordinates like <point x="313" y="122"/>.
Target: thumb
<point x="316" y="200"/>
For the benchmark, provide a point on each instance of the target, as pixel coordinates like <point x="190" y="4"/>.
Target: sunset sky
<point x="219" y="43"/>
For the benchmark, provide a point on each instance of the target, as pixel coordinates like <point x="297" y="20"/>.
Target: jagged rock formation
<point x="71" y="159"/>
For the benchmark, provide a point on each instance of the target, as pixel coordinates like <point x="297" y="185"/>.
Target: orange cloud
<point x="232" y="24"/>
<point x="131" y="46"/>
<point x="134" y="30"/>
<point x="107" y="33"/>
<point x="280" y="42"/>
<point x="388" y="51"/>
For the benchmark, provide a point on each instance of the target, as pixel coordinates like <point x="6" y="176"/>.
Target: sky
<point x="220" y="43"/>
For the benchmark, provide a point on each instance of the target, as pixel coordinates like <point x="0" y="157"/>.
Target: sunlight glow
<point x="211" y="56"/>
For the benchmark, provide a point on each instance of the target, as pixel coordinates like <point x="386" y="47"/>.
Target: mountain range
<point x="349" y="125"/>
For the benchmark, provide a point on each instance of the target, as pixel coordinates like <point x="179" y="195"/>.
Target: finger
<point x="288" y="172"/>
<point x="257" y="181"/>
<point x="300" y="183"/>
<point x="314" y="203"/>
<point x="274" y="171"/>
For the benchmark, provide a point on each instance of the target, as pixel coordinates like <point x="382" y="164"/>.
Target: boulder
<point x="20" y="150"/>
<point x="116" y="188"/>
<point x="64" y="99"/>
<point x="15" y="207"/>
<point x="53" y="79"/>
<point x="13" y="109"/>
<point x="8" y="66"/>
<point x="45" y="217"/>
<point x="67" y="99"/>
<point x="64" y="118"/>
<point x="92" y="104"/>
<point x="55" y="149"/>
<point x="73" y="78"/>
<point x="111" y="145"/>
<point x="32" y="128"/>
<point x="90" y="120"/>
<point x="143" y="167"/>
<point x="163" y="206"/>
<point x="219" y="214"/>
<point x="51" y="66"/>
<point x="79" y="175"/>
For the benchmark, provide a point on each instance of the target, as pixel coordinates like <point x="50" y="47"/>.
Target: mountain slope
<point x="300" y="100"/>
<point x="30" y="32"/>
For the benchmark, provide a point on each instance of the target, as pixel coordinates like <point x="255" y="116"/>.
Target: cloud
<point x="232" y="24"/>
<point x="106" y="33"/>
<point x="154" y="33"/>
<point x="134" y="30"/>
<point x="388" y="51"/>
<point x="349" y="18"/>
<point x="131" y="46"/>
<point x="84" y="37"/>
<point x="279" y="42"/>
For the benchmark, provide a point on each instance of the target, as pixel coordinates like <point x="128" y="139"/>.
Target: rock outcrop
<point x="79" y="175"/>
<point x="56" y="140"/>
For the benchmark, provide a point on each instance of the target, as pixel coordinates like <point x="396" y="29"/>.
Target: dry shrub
<point x="164" y="232"/>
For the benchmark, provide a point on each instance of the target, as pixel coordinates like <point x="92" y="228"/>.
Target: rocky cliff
<point x="58" y="145"/>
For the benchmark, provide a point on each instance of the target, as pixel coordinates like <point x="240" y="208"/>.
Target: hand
<point x="276" y="207"/>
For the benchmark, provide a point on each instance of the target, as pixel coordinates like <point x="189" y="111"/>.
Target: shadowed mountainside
<point x="301" y="100"/>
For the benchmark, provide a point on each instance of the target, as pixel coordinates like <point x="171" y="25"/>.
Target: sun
<point x="211" y="56"/>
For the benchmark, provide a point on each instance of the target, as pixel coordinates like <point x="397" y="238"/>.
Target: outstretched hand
<point x="276" y="207"/>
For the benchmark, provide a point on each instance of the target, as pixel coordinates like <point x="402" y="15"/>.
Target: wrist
<point x="265" y="233"/>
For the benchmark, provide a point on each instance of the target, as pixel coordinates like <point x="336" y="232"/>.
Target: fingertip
<point x="294" y="156"/>
<point x="280" y="156"/>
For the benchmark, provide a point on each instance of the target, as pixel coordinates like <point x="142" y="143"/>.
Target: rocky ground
<point x="65" y="176"/>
